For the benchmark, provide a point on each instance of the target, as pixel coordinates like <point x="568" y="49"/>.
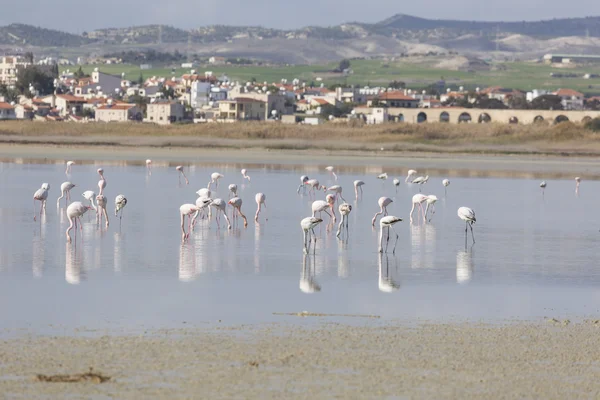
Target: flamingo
<point x="260" y="200"/>
<point x="308" y="225"/>
<point x="187" y="210"/>
<point x="337" y="189"/>
<point x="102" y="181"/>
<point x="303" y="180"/>
<point x="543" y="186"/>
<point x="120" y="203"/>
<point x="202" y="203"/>
<point x="411" y="173"/>
<point x="387" y="222"/>
<point x="421" y="181"/>
<point x="74" y="213"/>
<point x="101" y="209"/>
<point x="577" y="182"/>
<point x="233" y="190"/>
<point x="214" y="178"/>
<point x="204" y="192"/>
<point x="467" y="215"/>
<point x="245" y="174"/>
<point x="358" y="184"/>
<point x="396" y="183"/>
<point x="314" y="185"/>
<point x="383" y="176"/>
<point x="446" y="183"/>
<point x="40" y="195"/>
<point x="65" y="191"/>
<point x="383" y="203"/>
<point x="90" y="196"/>
<point x="431" y="200"/>
<point x="69" y="165"/>
<point x="149" y="166"/>
<point x="220" y="204"/>
<point x="344" y="210"/>
<point x="330" y="169"/>
<point x="319" y="206"/>
<point x="418" y="199"/>
<point x="180" y="169"/>
<point x="236" y="203"/>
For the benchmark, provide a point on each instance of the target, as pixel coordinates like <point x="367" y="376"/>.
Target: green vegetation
<point x="416" y="75"/>
<point x="34" y="36"/>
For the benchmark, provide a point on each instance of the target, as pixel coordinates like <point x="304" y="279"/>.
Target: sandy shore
<point x="348" y="161"/>
<point x="548" y="359"/>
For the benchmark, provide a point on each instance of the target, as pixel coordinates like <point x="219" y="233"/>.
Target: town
<point x="38" y="92"/>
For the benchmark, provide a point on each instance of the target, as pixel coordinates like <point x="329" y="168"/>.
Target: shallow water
<point x="534" y="255"/>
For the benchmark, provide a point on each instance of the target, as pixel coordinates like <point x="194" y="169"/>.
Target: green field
<point x="517" y="75"/>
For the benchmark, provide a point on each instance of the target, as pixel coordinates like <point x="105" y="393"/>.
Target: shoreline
<point x="331" y="359"/>
<point x="134" y="151"/>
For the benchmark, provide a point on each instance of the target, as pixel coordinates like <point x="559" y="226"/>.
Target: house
<point x="217" y="60"/>
<point x="430" y="103"/>
<point x="242" y="108"/>
<point x="65" y="103"/>
<point x="452" y="95"/>
<point x="570" y="99"/>
<point x="502" y="94"/>
<point x="280" y="103"/>
<point x="350" y="95"/>
<point x="378" y="115"/>
<point x="118" y="113"/>
<point x="24" y="111"/>
<point x="165" y="112"/>
<point x="395" y="99"/>
<point x="9" y="65"/>
<point x="7" y="111"/>
<point x="98" y="82"/>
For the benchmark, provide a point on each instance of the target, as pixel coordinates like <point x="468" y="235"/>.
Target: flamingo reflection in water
<point x="73" y="260"/>
<point x="308" y="283"/>
<point x="387" y="283"/>
<point x="464" y="266"/>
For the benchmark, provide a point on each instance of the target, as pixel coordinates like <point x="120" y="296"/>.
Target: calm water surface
<point x="535" y="255"/>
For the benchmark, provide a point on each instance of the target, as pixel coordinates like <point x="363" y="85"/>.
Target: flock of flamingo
<point x="205" y="203"/>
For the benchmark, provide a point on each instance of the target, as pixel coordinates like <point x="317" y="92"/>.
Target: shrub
<point x="593" y="125"/>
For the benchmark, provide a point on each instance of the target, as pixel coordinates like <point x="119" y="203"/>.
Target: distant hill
<point x="20" y="34"/>
<point x="395" y="36"/>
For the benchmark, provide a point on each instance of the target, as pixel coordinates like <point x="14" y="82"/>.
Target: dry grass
<point x="451" y="137"/>
<point x="90" y="376"/>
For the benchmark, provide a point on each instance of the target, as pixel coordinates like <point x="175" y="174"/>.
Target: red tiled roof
<point x="396" y="96"/>
<point x="244" y="100"/>
<point x="321" y="101"/>
<point x="568" y="92"/>
<point x="71" y="98"/>
<point x="6" y="106"/>
<point x="116" y="107"/>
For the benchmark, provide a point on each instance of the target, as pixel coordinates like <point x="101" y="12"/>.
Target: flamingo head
<point x="100" y="171"/>
<point x="179" y="168"/>
<point x="330" y="199"/>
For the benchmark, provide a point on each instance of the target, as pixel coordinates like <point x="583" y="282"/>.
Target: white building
<point x="9" y="65"/>
<point x="101" y="83"/>
<point x="530" y="96"/>
<point x="7" y="111"/>
<point x="200" y="94"/>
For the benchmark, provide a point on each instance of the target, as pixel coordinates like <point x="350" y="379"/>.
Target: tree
<point x="168" y="92"/>
<point x="9" y="94"/>
<point x="490" y="104"/>
<point x="344" y="109"/>
<point x="344" y="64"/>
<point x="79" y="73"/>
<point x="140" y="80"/>
<point x="28" y="57"/>
<point x="547" y="102"/>
<point x="593" y="105"/>
<point x="31" y="76"/>
<point x="518" y="103"/>
<point x="396" y="84"/>
<point x="140" y="101"/>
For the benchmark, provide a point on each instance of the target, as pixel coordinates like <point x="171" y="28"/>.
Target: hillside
<point x="20" y="34"/>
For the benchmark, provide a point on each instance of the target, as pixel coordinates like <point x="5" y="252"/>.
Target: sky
<point x="80" y="15"/>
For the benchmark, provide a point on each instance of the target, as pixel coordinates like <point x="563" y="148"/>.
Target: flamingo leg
<point x="396" y="242"/>
<point x="183" y="234"/>
<point x="472" y="234"/>
<point x="315" y="236"/>
<point x="34" y="211"/>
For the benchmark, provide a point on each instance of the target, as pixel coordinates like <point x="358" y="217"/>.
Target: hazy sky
<point x="82" y="15"/>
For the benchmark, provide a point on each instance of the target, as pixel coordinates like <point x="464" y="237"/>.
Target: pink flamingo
<point x="69" y="165"/>
<point x="577" y="182"/>
<point x="202" y="203"/>
<point x="344" y="209"/>
<point x="337" y="189"/>
<point x="314" y="185"/>
<point x="383" y="203"/>
<point x="149" y="166"/>
<point x="245" y="174"/>
<point x="358" y="185"/>
<point x="214" y="178"/>
<point x="330" y="169"/>
<point x="102" y="181"/>
<point x="187" y="210"/>
<point x="41" y="195"/>
<point x="74" y="213"/>
<point x="220" y="205"/>
<point x="236" y="203"/>
<point x="418" y="199"/>
<point x="65" y="191"/>
<point x="303" y="180"/>
<point x="260" y="200"/>
<point x="180" y="169"/>
<point x="233" y="190"/>
<point x="101" y="209"/>
<point x="320" y="206"/>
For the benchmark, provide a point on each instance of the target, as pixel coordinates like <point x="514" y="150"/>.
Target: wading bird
<point x="431" y="200"/>
<point x="319" y="206"/>
<point x="120" y="203"/>
<point x="543" y="186"/>
<point x="467" y="215"/>
<point x="303" y="180"/>
<point x="421" y="180"/>
<point x="383" y="176"/>
<point x="383" y="202"/>
<point x="186" y="210"/>
<point x="102" y="181"/>
<point x="90" y="196"/>
<point x="220" y="205"/>
<point x="245" y="174"/>
<point x="181" y="173"/>
<point x="314" y="185"/>
<point x="214" y="178"/>
<point x="577" y="182"/>
<point x="203" y="203"/>
<point x="233" y="190"/>
<point x="101" y="204"/>
<point x="446" y="183"/>
<point x="65" y="191"/>
<point x="149" y="166"/>
<point x="411" y="174"/>
<point x="387" y="222"/>
<point x="396" y="183"/>
<point x="358" y="184"/>
<point x="236" y="203"/>
<point x="330" y="169"/>
<point x="344" y="210"/>
<point x="69" y="165"/>
<point x="40" y="195"/>
<point x="74" y="213"/>
<point x="308" y="225"/>
<point x="261" y="199"/>
<point x="337" y="189"/>
<point x="417" y="199"/>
